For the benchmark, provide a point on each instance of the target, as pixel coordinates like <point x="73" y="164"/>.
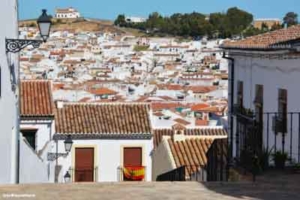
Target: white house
<point x="37" y="129"/>
<point x="67" y="13"/>
<point x="112" y="141"/>
<point x="184" y="147"/>
<point x="9" y="67"/>
<point x="265" y="75"/>
<point x="37" y="113"/>
<point x="135" y="19"/>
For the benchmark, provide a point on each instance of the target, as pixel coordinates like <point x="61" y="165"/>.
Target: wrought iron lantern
<point x="67" y="177"/>
<point x="68" y="144"/>
<point x="44" y="24"/>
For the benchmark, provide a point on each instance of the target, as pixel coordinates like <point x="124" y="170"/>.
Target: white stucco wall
<point x="108" y="157"/>
<point x="8" y="99"/>
<point x="45" y="131"/>
<point x="273" y="74"/>
<point x="32" y="168"/>
<point x="162" y="160"/>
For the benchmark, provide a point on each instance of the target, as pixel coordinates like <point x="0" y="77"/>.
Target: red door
<point x="132" y="158"/>
<point x="84" y="164"/>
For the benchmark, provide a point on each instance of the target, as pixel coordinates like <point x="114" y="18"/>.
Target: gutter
<point x="231" y="95"/>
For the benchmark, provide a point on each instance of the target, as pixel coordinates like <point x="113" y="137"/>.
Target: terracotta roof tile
<point x="182" y="121"/>
<point x="190" y="153"/>
<point x="102" y="91"/>
<point x="159" y="133"/>
<point x="268" y="40"/>
<point x="103" y="119"/>
<point x="36" y="99"/>
<point x="202" y="89"/>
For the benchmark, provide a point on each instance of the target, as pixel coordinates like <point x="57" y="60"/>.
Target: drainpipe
<point x="231" y="96"/>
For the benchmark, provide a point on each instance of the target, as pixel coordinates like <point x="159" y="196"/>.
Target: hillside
<point x="79" y="25"/>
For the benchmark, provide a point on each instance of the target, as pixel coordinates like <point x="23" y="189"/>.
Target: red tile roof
<point x="103" y="119"/>
<point x="160" y="106"/>
<point x="199" y="106"/>
<point x="202" y="89"/>
<point x="159" y="133"/>
<point x="268" y="40"/>
<point x="190" y="151"/>
<point x="182" y="121"/>
<point x="200" y="122"/>
<point x="36" y="99"/>
<point x="102" y="91"/>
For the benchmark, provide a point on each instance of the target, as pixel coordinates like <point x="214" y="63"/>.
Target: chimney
<point x="59" y="104"/>
<point x="178" y="132"/>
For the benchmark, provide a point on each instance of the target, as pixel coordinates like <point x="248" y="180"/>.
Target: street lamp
<point x="67" y="177"/>
<point x="68" y="146"/>
<point x="44" y="24"/>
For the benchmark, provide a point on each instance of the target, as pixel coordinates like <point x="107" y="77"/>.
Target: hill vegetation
<point x="234" y="22"/>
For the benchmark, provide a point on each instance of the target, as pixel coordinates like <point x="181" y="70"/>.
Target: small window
<point x="30" y="136"/>
<point x="282" y="103"/>
<point x="240" y="93"/>
<point x="258" y="95"/>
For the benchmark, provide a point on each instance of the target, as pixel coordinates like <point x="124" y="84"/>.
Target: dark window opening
<point x="258" y="101"/>
<point x="30" y="137"/>
<point x="282" y="108"/>
<point x="240" y="94"/>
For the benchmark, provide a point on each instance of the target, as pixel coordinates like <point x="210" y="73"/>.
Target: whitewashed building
<point x="110" y="139"/>
<point x="67" y="13"/>
<point x="9" y="67"/>
<point x="264" y="92"/>
<point x="37" y="130"/>
<point x="179" y="147"/>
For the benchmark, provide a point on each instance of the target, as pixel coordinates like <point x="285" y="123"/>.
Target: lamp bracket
<point x="54" y="156"/>
<point x="16" y="45"/>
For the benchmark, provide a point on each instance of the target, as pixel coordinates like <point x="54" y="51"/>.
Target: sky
<point x="109" y="9"/>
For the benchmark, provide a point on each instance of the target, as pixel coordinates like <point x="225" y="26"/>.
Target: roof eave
<point x="78" y="136"/>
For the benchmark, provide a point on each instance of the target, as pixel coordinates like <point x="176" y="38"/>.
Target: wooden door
<point x="84" y="164"/>
<point x="133" y="157"/>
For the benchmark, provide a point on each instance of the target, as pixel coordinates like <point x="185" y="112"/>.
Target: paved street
<point x="154" y="191"/>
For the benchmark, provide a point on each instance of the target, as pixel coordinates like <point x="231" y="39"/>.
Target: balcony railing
<point x="185" y="173"/>
<point x="275" y="131"/>
<point x="84" y="174"/>
<point x="132" y="173"/>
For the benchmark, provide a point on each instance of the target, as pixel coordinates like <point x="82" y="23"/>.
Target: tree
<point x="120" y="21"/>
<point x="251" y="31"/>
<point x="290" y="19"/>
<point x="276" y="26"/>
<point x="238" y="20"/>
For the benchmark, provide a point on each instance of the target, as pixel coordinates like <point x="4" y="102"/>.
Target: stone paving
<point x="285" y="188"/>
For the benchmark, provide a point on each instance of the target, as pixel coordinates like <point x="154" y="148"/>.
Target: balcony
<point x="274" y="132"/>
<point x="132" y="173"/>
<point x="84" y="174"/>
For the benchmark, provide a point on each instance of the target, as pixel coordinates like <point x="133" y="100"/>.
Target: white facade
<point x="9" y="67"/>
<point x="135" y="19"/>
<point x="33" y="169"/>
<point x="274" y="71"/>
<point x="108" y="157"/>
<point x="44" y="134"/>
<point x="69" y="13"/>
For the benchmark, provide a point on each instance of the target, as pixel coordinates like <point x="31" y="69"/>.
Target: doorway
<point x="84" y="164"/>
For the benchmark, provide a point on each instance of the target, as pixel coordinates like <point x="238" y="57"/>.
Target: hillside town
<point x="185" y="82"/>
<point x="113" y="106"/>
